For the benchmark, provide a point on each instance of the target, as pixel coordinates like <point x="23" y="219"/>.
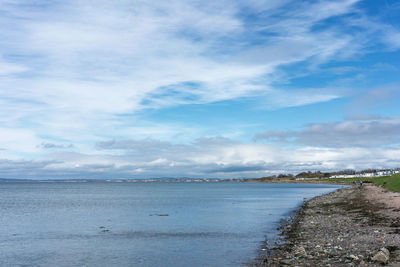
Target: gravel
<point x="343" y="228"/>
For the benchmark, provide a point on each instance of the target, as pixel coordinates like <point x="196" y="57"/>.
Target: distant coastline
<point x="317" y="177"/>
<point x="152" y="180"/>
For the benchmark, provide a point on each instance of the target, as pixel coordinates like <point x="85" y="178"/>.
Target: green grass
<point x="391" y="183"/>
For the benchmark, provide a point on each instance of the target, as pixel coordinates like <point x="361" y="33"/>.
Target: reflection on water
<point x="142" y="224"/>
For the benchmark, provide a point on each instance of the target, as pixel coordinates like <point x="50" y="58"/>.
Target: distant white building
<point x="368" y="174"/>
<point x="345" y="176"/>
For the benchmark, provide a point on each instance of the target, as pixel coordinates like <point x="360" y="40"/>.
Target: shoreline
<point x="348" y="227"/>
<point x="289" y="181"/>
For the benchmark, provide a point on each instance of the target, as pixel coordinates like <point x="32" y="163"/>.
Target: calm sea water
<point x="118" y="224"/>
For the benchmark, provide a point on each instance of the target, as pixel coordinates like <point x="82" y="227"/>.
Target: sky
<point x="222" y="89"/>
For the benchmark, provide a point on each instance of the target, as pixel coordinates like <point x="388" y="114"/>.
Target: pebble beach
<point x="353" y="226"/>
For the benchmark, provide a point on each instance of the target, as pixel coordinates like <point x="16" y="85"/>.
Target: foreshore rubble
<point x="348" y="227"/>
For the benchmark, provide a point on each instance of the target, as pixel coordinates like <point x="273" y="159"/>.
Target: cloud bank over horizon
<point x="136" y="89"/>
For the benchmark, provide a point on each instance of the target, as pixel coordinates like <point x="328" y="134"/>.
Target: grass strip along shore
<point x="391" y="183"/>
<point x="354" y="226"/>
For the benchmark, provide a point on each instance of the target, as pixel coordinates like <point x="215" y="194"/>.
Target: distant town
<point x="346" y="174"/>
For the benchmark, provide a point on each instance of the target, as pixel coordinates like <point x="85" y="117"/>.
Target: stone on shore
<point x="386" y="251"/>
<point x="381" y="256"/>
<point x="300" y="251"/>
<point x="286" y="262"/>
<point x="353" y="257"/>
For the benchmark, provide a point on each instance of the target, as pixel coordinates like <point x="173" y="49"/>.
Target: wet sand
<point x="349" y="227"/>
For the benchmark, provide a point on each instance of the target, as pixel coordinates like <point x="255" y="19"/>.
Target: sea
<point x="143" y="224"/>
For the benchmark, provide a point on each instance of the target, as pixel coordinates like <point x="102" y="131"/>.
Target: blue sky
<point x="136" y="89"/>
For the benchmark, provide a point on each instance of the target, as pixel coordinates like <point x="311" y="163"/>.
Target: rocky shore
<point x="350" y="227"/>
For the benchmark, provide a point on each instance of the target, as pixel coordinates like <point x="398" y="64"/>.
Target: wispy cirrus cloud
<point x="84" y="57"/>
<point x="81" y="72"/>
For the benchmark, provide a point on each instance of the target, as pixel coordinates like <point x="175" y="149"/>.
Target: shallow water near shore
<point x="142" y="224"/>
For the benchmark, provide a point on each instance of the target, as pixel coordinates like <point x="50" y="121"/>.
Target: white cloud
<point x="8" y="68"/>
<point x="206" y="157"/>
<point x="280" y="99"/>
<point x="20" y="140"/>
<point x="68" y="70"/>
<point x="109" y="58"/>
<point x="373" y="132"/>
